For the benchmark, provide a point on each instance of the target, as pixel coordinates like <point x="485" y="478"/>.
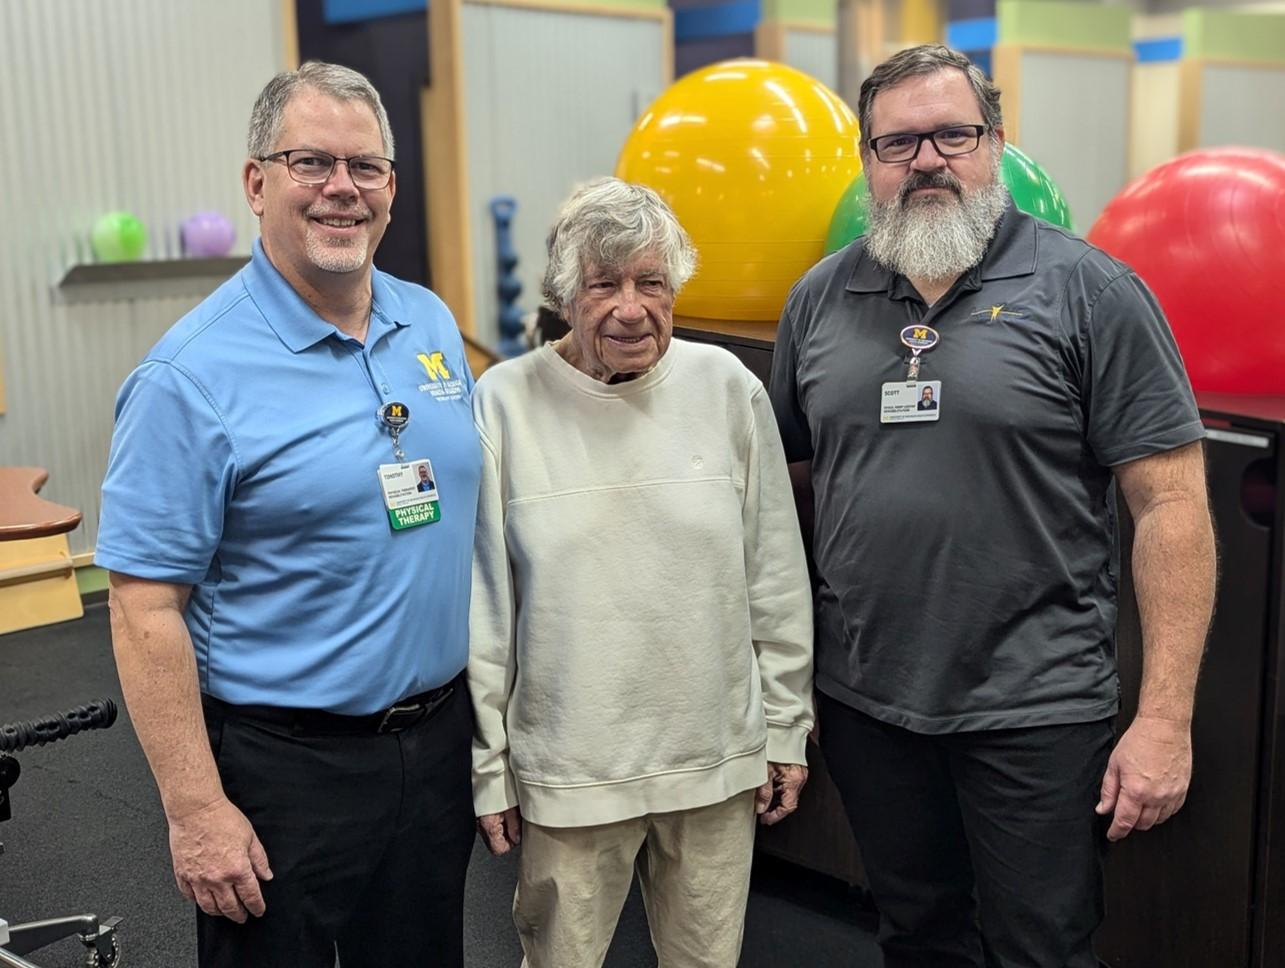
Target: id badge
<point x="903" y="402"/>
<point x="410" y="494"/>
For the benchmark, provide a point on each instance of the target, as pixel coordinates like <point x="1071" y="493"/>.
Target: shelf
<point x="97" y="273"/>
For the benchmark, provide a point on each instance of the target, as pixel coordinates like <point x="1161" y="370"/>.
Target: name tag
<point x="903" y="402"/>
<point x="410" y="494"/>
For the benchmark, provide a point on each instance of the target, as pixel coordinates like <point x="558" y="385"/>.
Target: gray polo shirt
<point x="966" y="565"/>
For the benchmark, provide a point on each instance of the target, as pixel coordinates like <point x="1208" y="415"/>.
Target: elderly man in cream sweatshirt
<point x="641" y="655"/>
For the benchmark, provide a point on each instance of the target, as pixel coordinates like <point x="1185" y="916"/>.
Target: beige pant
<point x="694" y="868"/>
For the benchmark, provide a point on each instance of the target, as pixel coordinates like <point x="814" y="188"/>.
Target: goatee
<point x="935" y="237"/>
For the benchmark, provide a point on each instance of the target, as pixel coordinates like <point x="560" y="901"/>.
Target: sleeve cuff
<point x="788" y="744"/>
<point x="494" y="792"/>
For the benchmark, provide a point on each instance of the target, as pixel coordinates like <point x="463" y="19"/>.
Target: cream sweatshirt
<point x="641" y="624"/>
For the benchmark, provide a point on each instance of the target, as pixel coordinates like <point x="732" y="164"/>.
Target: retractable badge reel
<point x="395" y="416"/>
<point x="410" y="489"/>
<point x="910" y="401"/>
<point x="917" y="339"/>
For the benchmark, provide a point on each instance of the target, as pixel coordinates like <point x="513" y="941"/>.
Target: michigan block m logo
<point x="434" y="365"/>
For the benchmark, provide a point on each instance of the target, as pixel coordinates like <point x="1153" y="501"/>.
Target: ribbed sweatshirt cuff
<point x="493" y="793"/>
<point x="787" y="744"/>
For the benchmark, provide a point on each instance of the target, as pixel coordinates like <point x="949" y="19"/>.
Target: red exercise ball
<point x="1206" y="232"/>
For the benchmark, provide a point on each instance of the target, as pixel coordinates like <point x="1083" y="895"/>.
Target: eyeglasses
<point x="958" y="139"/>
<point x="308" y="166"/>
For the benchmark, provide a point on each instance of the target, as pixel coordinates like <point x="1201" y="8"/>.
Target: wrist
<point x="185" y="805"/>
<point x="1167" y="717"/>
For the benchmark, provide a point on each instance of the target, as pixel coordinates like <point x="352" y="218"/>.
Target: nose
<point x="338" y="184"/>
<point x="927" y="158"/>
<point x="629" y="307"/>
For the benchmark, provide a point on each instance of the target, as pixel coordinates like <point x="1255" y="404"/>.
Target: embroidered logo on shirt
<point x="435" y="365"/>
<point x="995" y="312"/>
<point x="441" y="385"/>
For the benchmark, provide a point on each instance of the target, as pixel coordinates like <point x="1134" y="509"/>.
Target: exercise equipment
<point x="118" y="237"/>
<point x="98" y="937"/>
<point x="207" y="235"/>
<point x="507" y="284"/>
<point x="1206" y="232"/>
<point x="752" y="156"/>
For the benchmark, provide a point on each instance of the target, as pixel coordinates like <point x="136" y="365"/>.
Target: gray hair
<point x="341" y="83"/>
<point x="607" y="223"/>
<point x="918" y="62"/>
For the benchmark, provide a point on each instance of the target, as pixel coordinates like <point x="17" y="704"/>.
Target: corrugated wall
<point x="540" y="121"/>
<point x="109" y="104"/>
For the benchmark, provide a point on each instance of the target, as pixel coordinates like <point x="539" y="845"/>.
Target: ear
<point x="999" y="134"/>
<point x="252" y="178"/>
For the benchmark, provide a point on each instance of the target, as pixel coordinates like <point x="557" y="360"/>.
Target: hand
<point x="501" y="831"/>
<point x="784" y="782"/>
<point x="218" y="861"/>
<point x="1147" y="775"/>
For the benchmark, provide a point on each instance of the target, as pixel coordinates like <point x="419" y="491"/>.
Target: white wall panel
<point x="541" y="121"/>
<point x="814" y="52"/>
<point x="1242" y="106"/>
<point x="110" y="104"/>
<point x="1075" y="123"/>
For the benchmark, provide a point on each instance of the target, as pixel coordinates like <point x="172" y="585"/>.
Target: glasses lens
<point x="896" y="147"/>
<point x="955" y="141"/>
<point x="370" y="172"/>
<point x="310" y="167"/>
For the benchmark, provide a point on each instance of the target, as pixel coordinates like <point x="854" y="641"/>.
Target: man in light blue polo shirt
<point x="289" y="610"/>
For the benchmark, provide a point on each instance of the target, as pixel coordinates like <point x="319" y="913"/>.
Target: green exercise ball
<point x="1032" y="190"/>
<point x="118" y="237"/>
<point x="850" y="218"/>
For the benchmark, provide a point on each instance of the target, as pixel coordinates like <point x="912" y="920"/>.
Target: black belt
<point x="399" y="716"/>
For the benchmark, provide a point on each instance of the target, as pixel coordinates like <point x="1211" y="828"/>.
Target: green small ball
<point x="118" y="237"/>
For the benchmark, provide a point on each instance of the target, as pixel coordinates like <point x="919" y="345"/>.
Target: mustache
<point x="360" y="212"/>
<point x="928" y="179"/>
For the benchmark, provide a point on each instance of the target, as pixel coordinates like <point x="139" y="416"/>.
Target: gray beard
<point x="935" y="238"/>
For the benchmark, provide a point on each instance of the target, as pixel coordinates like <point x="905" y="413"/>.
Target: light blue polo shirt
<point x="245" y="464"/>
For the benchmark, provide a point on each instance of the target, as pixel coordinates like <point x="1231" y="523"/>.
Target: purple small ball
<point x="207" y="235"/>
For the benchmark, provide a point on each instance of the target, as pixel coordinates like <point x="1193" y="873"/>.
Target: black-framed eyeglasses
<point x="899" y="148"/>
<point x="308" y="166"/>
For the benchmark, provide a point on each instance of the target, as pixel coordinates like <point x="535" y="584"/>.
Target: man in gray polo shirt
<point x="965" y="652"/>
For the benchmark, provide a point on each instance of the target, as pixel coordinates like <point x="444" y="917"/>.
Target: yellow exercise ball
<point x="752" y="156"/>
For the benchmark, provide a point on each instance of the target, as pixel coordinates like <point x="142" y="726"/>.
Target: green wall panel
<point x="1049" y="23"/>
<point x="802" y="11"/>
<point x="1220" y="35"/>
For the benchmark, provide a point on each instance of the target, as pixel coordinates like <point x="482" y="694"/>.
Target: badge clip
<point x="917" y="339"/>
<point x="395" y="416"/>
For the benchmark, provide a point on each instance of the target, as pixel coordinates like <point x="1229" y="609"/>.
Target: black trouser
<point x="368" y="836"/>
<point x="981" y="848"/>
